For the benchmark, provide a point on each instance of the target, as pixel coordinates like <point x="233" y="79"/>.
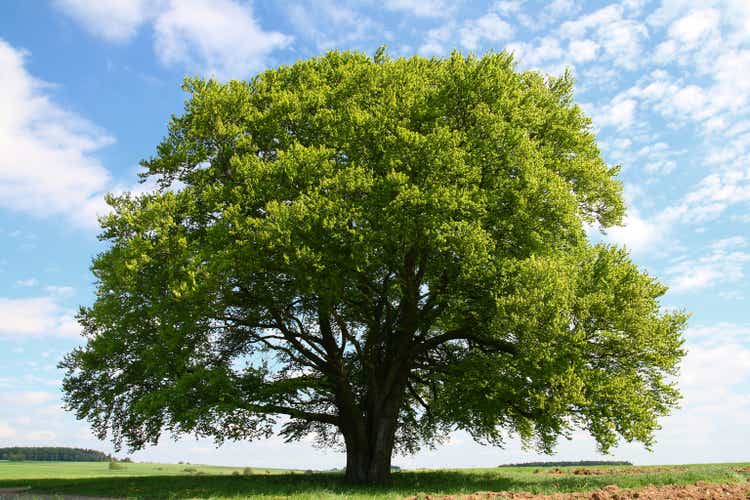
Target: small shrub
<point x="247" y="471"/>
<point x="190" y="469"/>
<point x="308" y="471"/>
<point x="235" y="473"/>
<point x="116" y="466"/>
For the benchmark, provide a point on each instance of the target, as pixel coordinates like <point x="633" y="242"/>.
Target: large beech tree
<point x="377" y="252"/>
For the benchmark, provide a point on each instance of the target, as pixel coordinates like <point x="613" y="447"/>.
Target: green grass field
<point x="146" y="480"/>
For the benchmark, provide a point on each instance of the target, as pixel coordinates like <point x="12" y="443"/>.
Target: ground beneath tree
<point x="603" y="472"/>
<point x="698" y="490"/>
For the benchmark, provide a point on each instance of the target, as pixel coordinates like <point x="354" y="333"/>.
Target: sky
<point x="87" y="88"/>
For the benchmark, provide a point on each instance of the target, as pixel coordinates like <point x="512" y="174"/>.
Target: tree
<point x="376" y="252"/>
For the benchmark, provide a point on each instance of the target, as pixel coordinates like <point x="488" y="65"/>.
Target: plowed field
<point x="612" y="492"/>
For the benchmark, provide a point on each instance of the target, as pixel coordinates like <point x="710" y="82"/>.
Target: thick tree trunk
<point x="368" y="458"/>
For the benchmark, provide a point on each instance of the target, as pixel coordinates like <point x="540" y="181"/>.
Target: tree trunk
<point x="370" y="434"/>
<point x="368" y="458"/>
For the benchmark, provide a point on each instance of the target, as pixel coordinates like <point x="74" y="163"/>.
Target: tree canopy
<point x="377" y="252"/>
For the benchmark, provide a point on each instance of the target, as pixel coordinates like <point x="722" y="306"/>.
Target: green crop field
<point x="13" y="471"/>
<point x="147" y="480"/>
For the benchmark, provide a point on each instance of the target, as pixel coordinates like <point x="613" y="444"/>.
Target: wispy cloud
<point x="36" y="317"/>
<point x="48" y="166"/>
<point x="222" y="38"/>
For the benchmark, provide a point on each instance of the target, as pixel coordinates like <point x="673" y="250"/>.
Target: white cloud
<point x="219" y="37"/>
<point x="113" y="20"/>
<point x="489" y="27"/>
<point x="41" y="436"/>
<point x="26" y="398"/>
<point x="48" y="165"/>
<point x="700" y="371"/>
<point x="537" y="55"/>
<point x="620" y="38"/>
<point x="715" y="405"/>
<point x="36" y="317"/>
<point x="709" y="45"/>
<point x="6" y="431"/>
<point x="434" y="43"/>
<point x="723" y="265"/>
<point x="713" y="194"/>
<point x="672" y="9"/>
<point x="719" y="333"/>
<point x="619" y="113"/>
<point x="656" y="158"/>
<point x="509" y="6"/>
<point x="27" y="283"/>
<point x="583" y="50"/>
<point x="330" y="25"/>
<point x="60" y="291"/>
<point x="637" y="234"/>
<point x="421" y="8"/>
<point x="696" y="26"/>
<point x="559" y="8"/>
<point x="682" y="103"/>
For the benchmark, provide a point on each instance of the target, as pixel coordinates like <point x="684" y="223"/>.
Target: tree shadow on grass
<point x="321" y="485"/>
<point x="316" y="485"/>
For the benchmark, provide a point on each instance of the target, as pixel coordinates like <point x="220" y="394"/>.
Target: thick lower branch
<point x="325" y="418"/>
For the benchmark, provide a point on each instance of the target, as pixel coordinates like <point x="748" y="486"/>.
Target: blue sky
<point x="87" y="87"/>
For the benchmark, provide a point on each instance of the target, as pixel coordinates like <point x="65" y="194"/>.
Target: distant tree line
<point x="580" y="463"/>
<point x="56" y="454"/>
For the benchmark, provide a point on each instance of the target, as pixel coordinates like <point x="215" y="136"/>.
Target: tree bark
<point x="369" y="440"/>
<point x="368" y="458"/>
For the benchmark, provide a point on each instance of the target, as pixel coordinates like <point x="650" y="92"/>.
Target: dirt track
<point x="698" y="490"/>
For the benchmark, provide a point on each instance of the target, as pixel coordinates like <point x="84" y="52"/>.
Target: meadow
<point x="151" y="480"/>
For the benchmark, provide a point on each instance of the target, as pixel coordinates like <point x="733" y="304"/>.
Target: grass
<point x="80" y="470"/>
<point x="144" y="480"/>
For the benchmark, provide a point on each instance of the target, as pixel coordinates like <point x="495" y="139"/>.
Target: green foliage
<point x="388" y="247"/>
<point x="55" y="454"/>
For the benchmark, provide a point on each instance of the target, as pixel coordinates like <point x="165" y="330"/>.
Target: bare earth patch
<point x="699" y="490"/>
<point x="604" y="472"/>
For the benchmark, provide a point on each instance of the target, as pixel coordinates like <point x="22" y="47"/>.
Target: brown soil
<point x="604" y="472"/>
<point x="699" y="490"/>
<point x="744" y="470"/>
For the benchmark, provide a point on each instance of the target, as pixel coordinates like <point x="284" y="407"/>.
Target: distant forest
<point x="53" y="454"/>
<point x="581" y="463"/>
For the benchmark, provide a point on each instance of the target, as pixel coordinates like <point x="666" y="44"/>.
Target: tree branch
<point x="295" y="412"/>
